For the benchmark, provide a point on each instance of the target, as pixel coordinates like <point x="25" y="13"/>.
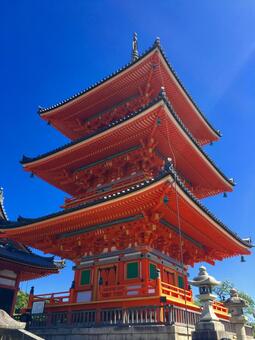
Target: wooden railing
<point x="52" y="298"/>
<point x="117" y="316"/>
<point x="176" y="292"/>
<point x="112" y="187"/>
<point x="125" y="291"/>
<point x="147" y="315"/>
<point x="119" y="291"/>
<point x="219" y="308"/>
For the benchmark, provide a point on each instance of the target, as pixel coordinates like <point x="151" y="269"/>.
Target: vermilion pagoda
<point x="135" y="171"/>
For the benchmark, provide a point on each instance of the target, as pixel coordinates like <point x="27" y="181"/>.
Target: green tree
<point x="223" y="293"/>
<point x="250" y="309"/>
<point x="21" y="301"/>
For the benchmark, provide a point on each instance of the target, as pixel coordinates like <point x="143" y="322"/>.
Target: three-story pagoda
<point x="135" y="171"/>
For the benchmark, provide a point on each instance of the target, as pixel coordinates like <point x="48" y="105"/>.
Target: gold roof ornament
<point x="135" y="54"/>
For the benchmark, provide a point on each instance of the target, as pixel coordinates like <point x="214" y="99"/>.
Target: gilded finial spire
<point x="135" y="54"/>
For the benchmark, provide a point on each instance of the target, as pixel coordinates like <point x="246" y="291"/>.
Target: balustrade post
<point x="49" y="319"/>
<point x="69" y="317"/>
<point x="72" y="293"/>
<point x="170" y="314"/>
<point x="159" y="293"/>
<point x="137" y="316"/>
<point x="98" y="316"/>
<point x="141" y="316"/>
<point x="158" y="283"/>
<point x="124" y="316"/>
<point x="31" y="297"/>
<point x="52" y="301"/>
<point x="71" y="298"/>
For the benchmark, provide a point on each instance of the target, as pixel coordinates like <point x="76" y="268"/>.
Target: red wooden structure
<point x="135" y="171"/>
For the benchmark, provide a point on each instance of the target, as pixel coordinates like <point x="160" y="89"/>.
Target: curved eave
<point x="2" y="213"/>
<point x="30" y="163"/>
<point x="27" y="272"/>
<point x="195" y="143"/>
<point x="25" y="260"/>
<point x="28" y="260"/>
<point x="166" y="176"/>
<point x="200" y="114"/>
<point x="28" y="265"/>
<point x="47" y="112"/>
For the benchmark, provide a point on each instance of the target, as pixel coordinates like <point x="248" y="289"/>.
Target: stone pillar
<point x="235" y="305"/>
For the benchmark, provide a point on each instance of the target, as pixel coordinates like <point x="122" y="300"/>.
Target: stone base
<point x="209" y="335"/>
<point x="213" y="330"/>
<point x="146" y="332"/>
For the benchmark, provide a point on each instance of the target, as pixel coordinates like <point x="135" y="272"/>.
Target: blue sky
<point x="52" y="49"/>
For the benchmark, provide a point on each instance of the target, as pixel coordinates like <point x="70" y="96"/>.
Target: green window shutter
<point x="132" y="270"/>
<point x="85" y="277"/>
<point x="180" y="282"/>
<point x="153" y="271"/>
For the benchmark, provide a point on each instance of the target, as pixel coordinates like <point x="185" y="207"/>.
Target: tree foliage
<point x="21" y="301"/>
<point x="223" y="293"/>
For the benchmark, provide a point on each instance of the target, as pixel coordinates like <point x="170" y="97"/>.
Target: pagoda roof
<point x="198" y="118"/>
<point x="34" y="164"/>
<point x="23" y="228"/>
<point x="9" y="252"/>
<point x="19" y="256"/>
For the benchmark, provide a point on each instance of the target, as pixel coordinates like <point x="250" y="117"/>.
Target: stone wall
<point x="154" y="332"/>
<point x="147" y="332"/>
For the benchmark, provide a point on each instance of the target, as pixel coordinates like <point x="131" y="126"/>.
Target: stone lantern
<point x="205" y="284"/>
<point x="209" y="326"/>
<point x="235" y="305"/>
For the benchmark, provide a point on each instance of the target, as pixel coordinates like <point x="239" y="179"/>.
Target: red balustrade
<point x="176" y="292"/>
<point x="50" y="298"/>
<point x="125" y="291"/>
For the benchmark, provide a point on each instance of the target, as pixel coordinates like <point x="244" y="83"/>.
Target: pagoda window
<point x="132" y="270"/>
<point x="153" y="271"/>
<point x="168" y="277"/>
<point x="180" y="282"/>
<point x="85" y="277"/>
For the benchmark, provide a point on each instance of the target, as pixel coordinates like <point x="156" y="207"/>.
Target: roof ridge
<point x="184" y="127"/>
<point x="186" y="91"/>
<point x="155" y="45"/>
<point x="42" y="110"/>
<point x="29" y="259"/>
